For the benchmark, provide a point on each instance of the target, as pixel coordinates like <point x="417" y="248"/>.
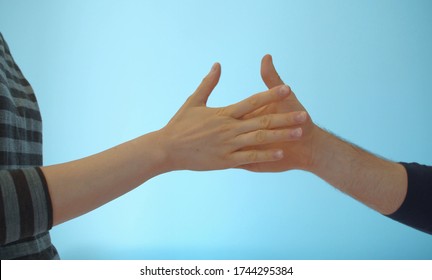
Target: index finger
<point x="257" y="101"/>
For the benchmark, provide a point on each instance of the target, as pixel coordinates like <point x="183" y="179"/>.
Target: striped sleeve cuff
<point x="26" y="208"/>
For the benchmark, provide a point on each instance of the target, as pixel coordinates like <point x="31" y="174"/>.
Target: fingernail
<point x="284" y="90"/>
<point x="278" y="154"/>
<point x="300" y="117"/>
<point x="296" y="133"/>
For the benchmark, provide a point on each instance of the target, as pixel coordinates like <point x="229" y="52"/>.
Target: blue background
<point x="108" y="71"/>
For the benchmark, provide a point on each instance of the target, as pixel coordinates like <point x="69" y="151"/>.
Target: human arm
<point x="376" y="182"/>
<point x="196" y="138"/>
<point x="380" y="184"/>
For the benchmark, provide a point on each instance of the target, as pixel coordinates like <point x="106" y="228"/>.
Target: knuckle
<point x="252" y="156"/>
<point x="260" y="136"/>
<point x="253" y="101"/>
<point x="265" y="122"/>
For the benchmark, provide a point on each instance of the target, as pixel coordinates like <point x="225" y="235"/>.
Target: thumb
<point x="269" y="74"/>
<point x="202" y="93"/>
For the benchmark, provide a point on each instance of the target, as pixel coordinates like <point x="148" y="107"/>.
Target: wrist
<point x="315" y="156"/>
<point x="154" y="147"/>
<point x="168" y="151"/>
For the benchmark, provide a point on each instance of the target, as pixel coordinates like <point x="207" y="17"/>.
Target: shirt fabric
<point x="416" y="210"/>
<point x="25" y="205"/>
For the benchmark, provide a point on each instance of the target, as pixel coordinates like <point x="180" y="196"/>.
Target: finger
<point x="255" y="156"/>
<point x="254" y="167"/>
<point x="261" y="137"/>
<point x="202" y="93"/>
<point x="272" y="121"/>
<point x="268" y="72"/>
<point x="258" y="100"/>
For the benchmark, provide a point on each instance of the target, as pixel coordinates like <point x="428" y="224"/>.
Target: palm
<point x="296" y="154"/>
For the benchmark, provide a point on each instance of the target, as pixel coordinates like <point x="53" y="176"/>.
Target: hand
<point x="378" y="183"/>
<point x="203" y="138"/>
<point x="298" y="154"/>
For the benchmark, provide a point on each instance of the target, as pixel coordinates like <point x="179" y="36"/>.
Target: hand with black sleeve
<point x="402" y="191"/>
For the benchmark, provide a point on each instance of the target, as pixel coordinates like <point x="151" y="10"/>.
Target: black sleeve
<point x="416" y="210"/>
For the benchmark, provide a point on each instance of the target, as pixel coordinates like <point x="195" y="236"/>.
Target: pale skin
<point x="196" y="138"/>
<point x="376" y="182"/>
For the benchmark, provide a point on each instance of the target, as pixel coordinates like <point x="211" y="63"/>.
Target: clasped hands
<point x="266" y="132"/>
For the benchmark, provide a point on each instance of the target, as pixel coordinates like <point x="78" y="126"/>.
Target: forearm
<point x="196" y="138"/>
<point x="80" y="186"/>
<point x="378" y="183"/>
